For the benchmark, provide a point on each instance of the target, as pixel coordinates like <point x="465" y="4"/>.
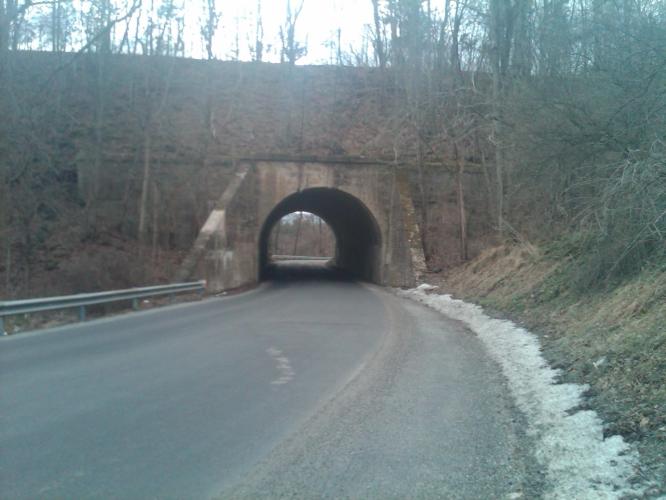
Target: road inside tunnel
<point x="357" y="238"/>
<point x="295" y="270"/>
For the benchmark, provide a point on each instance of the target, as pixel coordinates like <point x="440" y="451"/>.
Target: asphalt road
<point x="305" y="388"/>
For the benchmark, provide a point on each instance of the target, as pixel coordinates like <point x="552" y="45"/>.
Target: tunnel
<point x="357" y="234"/>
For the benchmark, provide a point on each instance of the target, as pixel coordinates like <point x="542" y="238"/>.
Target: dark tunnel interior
<point x="357" y="235"/>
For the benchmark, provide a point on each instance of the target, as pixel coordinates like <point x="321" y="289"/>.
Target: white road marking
<point x="283" y="366"/>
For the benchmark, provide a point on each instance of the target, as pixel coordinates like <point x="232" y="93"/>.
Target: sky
<point x="318" y="23"/>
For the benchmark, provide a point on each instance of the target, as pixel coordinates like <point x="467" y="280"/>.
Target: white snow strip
<point x="577" y="460"/>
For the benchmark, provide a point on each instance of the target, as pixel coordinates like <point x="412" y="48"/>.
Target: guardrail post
<point x="82" y="313"/>
<point x="135" y="304"/>
<point x="2" y="327"/>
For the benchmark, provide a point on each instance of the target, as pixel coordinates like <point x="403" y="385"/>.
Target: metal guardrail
<point x="16" y="307"/>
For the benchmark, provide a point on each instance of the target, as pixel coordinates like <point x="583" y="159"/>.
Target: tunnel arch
<point x="357" y="234"/>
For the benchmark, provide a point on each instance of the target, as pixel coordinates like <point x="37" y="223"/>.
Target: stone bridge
<point x="367" y="205"/>
<point x="245" y="144"/>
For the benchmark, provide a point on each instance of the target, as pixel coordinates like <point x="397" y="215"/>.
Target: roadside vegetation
<point x="559" y="106"/>
<point x="612" y="338"/>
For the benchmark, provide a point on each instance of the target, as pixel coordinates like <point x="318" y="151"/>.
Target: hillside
<point x="612" y="339"/>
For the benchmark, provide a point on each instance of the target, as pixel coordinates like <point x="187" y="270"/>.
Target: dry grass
<point x="613" y="340"/>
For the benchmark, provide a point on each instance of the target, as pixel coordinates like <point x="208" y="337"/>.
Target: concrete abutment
<point x="372" y="217"/>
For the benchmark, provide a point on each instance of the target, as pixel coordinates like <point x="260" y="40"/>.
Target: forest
<point x="562" y="103"/>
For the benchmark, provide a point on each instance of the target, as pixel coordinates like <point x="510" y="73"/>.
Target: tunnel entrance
<point x="301" y="234"/>
<point x="356" y="252"/>
<point x="301" y="246"/>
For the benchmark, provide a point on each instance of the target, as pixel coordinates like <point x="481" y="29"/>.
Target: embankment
<point x="612" y="339"/>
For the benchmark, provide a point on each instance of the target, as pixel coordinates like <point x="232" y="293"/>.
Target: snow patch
<point x="578" y="461"/>
<point x="425" y="287"/>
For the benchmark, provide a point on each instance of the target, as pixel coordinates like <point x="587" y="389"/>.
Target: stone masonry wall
<point x="198" y="118"/>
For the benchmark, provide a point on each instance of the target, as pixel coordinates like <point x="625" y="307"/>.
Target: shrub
<point x="625" y="223"/>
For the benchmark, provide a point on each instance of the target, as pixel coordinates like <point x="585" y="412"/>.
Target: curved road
<point x="305" y="388"/>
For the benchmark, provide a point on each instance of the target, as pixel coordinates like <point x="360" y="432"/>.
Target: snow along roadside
<point x="577" y="460"/>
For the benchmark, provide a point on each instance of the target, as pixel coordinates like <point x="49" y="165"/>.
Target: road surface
<point x="306" y="388"/>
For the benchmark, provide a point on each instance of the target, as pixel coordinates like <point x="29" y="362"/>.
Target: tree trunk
<point x="91" y="185"/>
<point x="378" y="42"/>
<point x="455" y="40"/>
<point x="7" y="237"/>
<point x="298" y="232"/>
<point x="425" y="216"/>
<point x="8" y="265"/>
<point x="500" y="161"/>
<point x="276" y="241"/>
<point x="4" y="27"/>
<point x="461" y="204"/>
<point x="55" y="26"/>
<point x="501" y="31"/>
<point x="155" y="228"/>
<point x="145" y="185"/>
<point x="9" y="20"/>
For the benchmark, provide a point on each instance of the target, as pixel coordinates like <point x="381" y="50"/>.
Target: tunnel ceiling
<point x="356" y="232"/>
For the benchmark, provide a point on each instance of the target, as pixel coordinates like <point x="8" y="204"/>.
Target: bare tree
<point x="501" y="19"/>
<point x="292" y="50"/>
<point x="378" y="35"/>
<point x="258" y="52"/>
<point x="299" y="225"/>
<point x="209" y="26"/>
